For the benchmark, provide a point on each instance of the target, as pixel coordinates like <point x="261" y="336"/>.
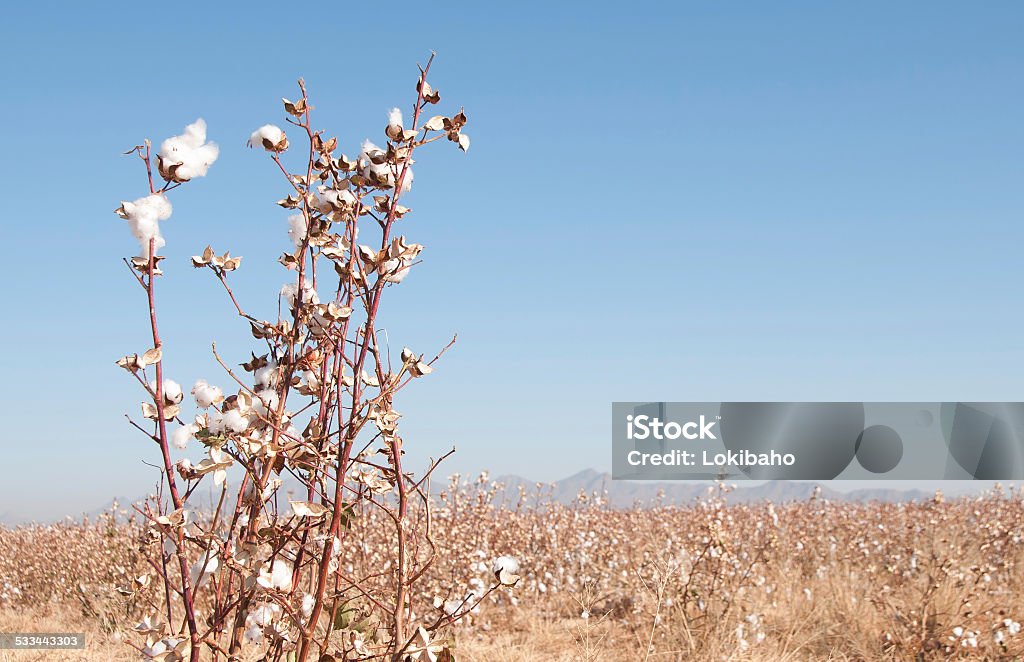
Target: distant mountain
<point x="620" y="493"/>
<point x="629" y="493"/>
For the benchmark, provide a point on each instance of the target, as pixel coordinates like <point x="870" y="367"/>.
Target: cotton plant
<point x="266" y="571"/>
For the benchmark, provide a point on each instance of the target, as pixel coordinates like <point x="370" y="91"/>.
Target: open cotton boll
<point x="207" y="395"/>
<point x="266" y="401"/>
<point x="147" y="232"/>
<point x="143" y="216"/>
<point x="181" y="436"/>
<point x="297" y="229"/>
<point x="172" y="390"/>
<point x="505" y="569"/>
<point x="395" y="118"/>
<point x="389" y="173"/>
<point x="278" y="575"/>
<point x="254" y="634"/>
<point x="187" y="156"/>
<point x="156" y="207"/>
<point x="234" y="421"/>
<point x="163" y="649"/>
<point x="263" y="615"/>
<point x="407" y="182"/>
<point x="329" y="200"/>
<point x="203" y="569"/>
<point x="270" y="138"/>
<point x="308" y="601"/>
<point x="505" y="563"/>
<point x="370" y="151"/>
<point x="373" y="166"/>
<point x="395" y="270"/>
<point x="215" y="422"/>
<point x="380" y="171"/>
<point x="309" y="295"/>
<point x="267" y="375"/>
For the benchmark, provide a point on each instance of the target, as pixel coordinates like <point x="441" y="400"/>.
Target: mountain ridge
<point x="629" y="493"/>
<point x="623" y="493"/>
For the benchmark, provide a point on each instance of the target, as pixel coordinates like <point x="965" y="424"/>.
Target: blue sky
<point x="703" y="201"/>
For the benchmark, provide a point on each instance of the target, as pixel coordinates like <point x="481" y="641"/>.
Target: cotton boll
<point x="203" y="569"/>
<point x="371" y="152"/>
<point x="266" y="402"/>
<point x="156" y="650"/>
<point x="254" y="634"/>
<point x="234" y="421"/>
<point x="506" y="563"/>
<point x="181" y="436"/>
<point x="297" y="229"/>
<point x="329" y="200"/>
<point x="374" y="166"/>
<point x="147" y="232"/>
<point x="263" y="615"/>
<point x="378" y="171"/>
<point x="215" y="422"/>
<point x="267" y="375"/>
<point x="277" y="575"/>
<point x="505" y="569"/>
<point x="143" y="216"/>
<point x="395" y="118"/>
<point x="281" y="575"/>
<point x="395" y="270"/>
<point x="156" y="207"/>
<point x="307" y="605"/>
<point x="309" y="295"/>
<point x="347" y="197"/>
<point x="394" y="129"/>
<point x="187" y="156"/>
<point x="270" y="138"/>
<point x="390" y="173"/>
<point x="172" y="391"/>
<point x="288" y="291"/>
<point x="407" y="182"/>
<point x="207" y="395"/>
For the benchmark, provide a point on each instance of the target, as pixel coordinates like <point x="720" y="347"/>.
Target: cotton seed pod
<point x="270" y="138"/>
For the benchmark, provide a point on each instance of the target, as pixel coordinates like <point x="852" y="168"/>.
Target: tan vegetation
<point x="812" y="580"/>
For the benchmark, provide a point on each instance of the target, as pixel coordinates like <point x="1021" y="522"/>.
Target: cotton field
<point x="531" y="579"/>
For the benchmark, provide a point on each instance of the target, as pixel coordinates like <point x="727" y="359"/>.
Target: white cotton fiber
<point x="190" y="152"/>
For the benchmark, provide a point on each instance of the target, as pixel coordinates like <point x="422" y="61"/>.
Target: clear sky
<point x="663" y="201"/>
